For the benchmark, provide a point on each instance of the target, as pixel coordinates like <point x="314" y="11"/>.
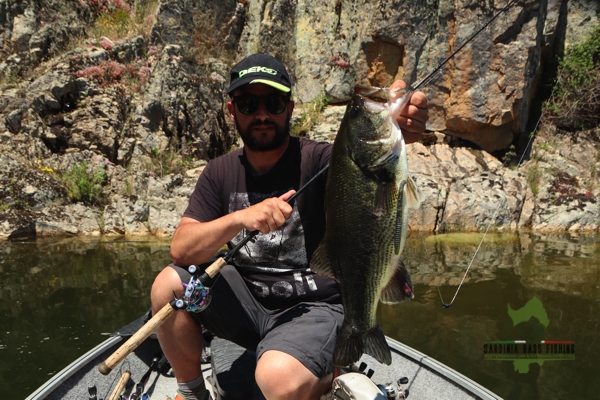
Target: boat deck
<point x="427" y="378"/>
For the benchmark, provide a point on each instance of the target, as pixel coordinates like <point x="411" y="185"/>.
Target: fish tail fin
<point x="399" y="288"/>
<point x="350" y="346"/>
<point x="376" y="346"/>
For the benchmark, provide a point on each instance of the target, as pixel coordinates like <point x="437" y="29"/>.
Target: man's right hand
<point x="268" y="215"/>
<point x="195" y="242"/>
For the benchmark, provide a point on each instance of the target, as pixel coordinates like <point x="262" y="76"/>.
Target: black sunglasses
<point x="274" y="103"/>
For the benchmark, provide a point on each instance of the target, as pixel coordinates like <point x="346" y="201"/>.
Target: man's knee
<point x="165" y="283"/>
<point x="281" y="376"/>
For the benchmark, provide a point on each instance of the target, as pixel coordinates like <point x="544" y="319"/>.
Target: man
<point x="269" y="300"/>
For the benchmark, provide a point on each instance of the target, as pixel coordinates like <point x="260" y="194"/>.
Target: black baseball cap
<point x="260" y="68"/>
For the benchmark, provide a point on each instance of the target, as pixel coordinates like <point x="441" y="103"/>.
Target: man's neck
<point x="262" y="161"/>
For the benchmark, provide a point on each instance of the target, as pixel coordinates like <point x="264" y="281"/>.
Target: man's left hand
<point x="414" y="116"/>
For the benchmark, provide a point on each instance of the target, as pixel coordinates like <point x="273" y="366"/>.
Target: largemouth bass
<point x="367" y="197"/>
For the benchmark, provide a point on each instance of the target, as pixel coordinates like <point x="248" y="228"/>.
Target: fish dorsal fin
<point x="400" y="208"/>
<point x="319" y="263"/>
<point x="399" y="288"/>
<point x="413" y="194"/>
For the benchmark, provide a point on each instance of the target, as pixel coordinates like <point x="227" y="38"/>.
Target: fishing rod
<point x="430" y="76"/>
<point x="139" y="393"/>
<point x="412" y="88"/>
<point x="195" y="298"/>
<point x="116" y="394"/>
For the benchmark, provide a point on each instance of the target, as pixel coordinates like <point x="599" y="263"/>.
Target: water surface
<point x="59" y="298"/>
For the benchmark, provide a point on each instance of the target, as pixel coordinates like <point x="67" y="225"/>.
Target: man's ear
<point x="291" y="106"/>
<point x="230" y="107"/>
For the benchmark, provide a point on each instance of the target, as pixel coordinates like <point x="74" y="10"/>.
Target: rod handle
<point x="213" y="269"/>
<point x="120" y="386"/>
<point x="134" y="341"/>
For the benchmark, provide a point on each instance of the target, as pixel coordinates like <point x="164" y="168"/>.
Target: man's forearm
<point x="196" y="242"/>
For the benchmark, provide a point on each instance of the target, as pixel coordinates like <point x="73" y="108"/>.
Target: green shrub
<point x="576" y="101"/>
<point x="311" y="115"/>
<point x="84" y="183"/>
<point x="534" y="176"/>
<point x="168" y="162"/>
<point x="117" y="19"/>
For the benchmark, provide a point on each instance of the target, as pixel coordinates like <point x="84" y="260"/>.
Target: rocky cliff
<point x="110" y="108"/>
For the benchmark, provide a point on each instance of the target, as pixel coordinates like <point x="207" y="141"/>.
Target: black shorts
<point x="306" y="331"/>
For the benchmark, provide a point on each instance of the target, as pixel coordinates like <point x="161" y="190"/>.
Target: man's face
<point x="261" y="130"/>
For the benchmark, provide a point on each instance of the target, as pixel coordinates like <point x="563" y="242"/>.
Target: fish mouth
<point x="377" y="99"/>
<point x="373" y="106"/>
<point x="374" y="93"/>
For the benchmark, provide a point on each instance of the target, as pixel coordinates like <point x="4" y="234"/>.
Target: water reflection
<point x="561" y="272"/>
<point x="59" y="297"/>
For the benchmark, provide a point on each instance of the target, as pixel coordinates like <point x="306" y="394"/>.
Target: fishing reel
<point x="395" y="392"/>
<point x="196" y="296"/>
<point x="355" y="383"/>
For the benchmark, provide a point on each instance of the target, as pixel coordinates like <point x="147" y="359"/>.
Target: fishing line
<point x="529" y="143"/>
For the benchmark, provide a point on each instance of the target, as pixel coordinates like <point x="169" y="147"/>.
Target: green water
<point x="58" y="299"/>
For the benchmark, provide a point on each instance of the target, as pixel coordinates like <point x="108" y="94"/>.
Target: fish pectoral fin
<point x="413" y="194"/>
<point x="399" y="288"/>
<point x="384" y="197"/>
<point x="400" y="207"/>
<point x="319" y="263"/>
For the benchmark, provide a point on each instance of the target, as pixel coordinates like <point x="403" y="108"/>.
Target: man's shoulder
<point x="230" y="159"/>
<point x="313" y="145"/>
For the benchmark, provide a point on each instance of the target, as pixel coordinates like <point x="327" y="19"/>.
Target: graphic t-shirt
<point x="275" y="266"/>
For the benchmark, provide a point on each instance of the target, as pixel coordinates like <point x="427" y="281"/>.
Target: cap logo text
<point x="257" y="69"/>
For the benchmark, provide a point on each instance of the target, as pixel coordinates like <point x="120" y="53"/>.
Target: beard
<point x="261" y="143"/>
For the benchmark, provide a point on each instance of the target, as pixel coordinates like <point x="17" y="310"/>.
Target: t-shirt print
<point x="278" y="251"/>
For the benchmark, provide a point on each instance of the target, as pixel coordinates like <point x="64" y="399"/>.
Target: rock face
<point x="130" y="96"/>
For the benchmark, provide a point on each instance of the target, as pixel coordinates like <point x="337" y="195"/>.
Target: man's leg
<point x="281" y="376"/>
<point x="180" y="336"/>
<point x="232" y="314"/>
<point x="295" y="357"/>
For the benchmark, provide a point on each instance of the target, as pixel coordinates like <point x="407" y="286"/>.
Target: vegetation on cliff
<point x="575" y="104"/>
<point x="112" y="107"/>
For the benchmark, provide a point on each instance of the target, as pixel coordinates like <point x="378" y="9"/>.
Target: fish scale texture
<point x="367" y="166"/>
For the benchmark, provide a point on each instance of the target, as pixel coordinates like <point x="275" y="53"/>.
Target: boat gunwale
<point x="442" y="369"/>
<point x="64" y="374"/>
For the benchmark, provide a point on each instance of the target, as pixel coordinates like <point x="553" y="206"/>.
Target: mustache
<point x="265" y="122"/>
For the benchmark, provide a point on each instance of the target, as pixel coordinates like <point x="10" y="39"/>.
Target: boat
<point x="228" y="371"/>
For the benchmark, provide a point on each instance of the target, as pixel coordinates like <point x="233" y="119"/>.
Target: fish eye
<point x="354" y="111"/>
